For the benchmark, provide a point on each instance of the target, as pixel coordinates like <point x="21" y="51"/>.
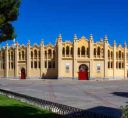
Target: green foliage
<point x="10" y="108"/>
<point x="9" y="10"/>
<point x="124" y="111"/>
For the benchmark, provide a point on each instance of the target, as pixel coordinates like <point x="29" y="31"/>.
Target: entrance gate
<point x="23" y="75"/>
<point x="83" y="72"/>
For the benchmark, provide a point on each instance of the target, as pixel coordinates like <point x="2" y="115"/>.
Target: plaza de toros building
<point x="81" y="59"/>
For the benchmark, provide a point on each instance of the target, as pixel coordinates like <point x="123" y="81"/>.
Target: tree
<point x="9" y="10"/>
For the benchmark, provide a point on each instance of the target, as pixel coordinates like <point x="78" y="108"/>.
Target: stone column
<point x="6" y="61"/>
<point x="42" y="59"/>
<point x="59" y="52"/>
<point x="125" y="60"/>
<point x="105" y="57"/>
<point x="114" y="60"/>
<point x="16" y="61"/>
<point x="91" y="55"/>
<point x="28" y="60"/>
<point x="75" y="48"/>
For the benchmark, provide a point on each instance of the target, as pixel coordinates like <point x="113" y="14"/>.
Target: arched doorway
<point x="83" y="72"/>
<point x="23" y="74"/>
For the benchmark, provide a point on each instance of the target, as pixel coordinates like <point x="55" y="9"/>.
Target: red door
<point x="23" y="75"/>
<point x="83" y="75"/>
<point x="83" y="72"/>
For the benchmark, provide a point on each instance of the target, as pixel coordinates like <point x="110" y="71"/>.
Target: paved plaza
<point x="99" y="96"/>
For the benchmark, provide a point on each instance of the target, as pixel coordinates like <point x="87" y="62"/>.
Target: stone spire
<point x="125" y="44"/>
<point x="59" y="39"/>
<point x="114" y="43"/>
<point x="91" y="37"/>
<point x="60" y="36"/>
<point x="106" y="39"/>
<point x="42" y="42"/>
<point x="28" y="42"/>
<point x="75" y="37"/>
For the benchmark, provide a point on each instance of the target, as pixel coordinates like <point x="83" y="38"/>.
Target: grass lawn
<point x="10" y="108"/>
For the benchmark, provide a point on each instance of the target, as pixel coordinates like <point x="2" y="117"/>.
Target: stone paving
<point x="99" y="96"/>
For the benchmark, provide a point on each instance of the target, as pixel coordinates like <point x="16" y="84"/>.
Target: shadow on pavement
<point x="121" y="94"/>
<point x="101" y="111"/>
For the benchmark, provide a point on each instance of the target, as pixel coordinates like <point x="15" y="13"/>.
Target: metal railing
<point x="64" y="110"/>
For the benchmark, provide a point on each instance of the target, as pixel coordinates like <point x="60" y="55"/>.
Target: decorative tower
<point x="91" y="55"/>
<point x="91" y="46"/>
<point x="59" y="53"/>
<point x="28" y="60"/>
<point x="75" y="38"/>
<point x="125" y="60"/>
<point x="42" y="59"/>
<point x="114" y="59"/>
<point x="6" y="61"/>
<point x="75" y="47"/>
<point x="16" y="60"/>
<point x="105" y="57"/>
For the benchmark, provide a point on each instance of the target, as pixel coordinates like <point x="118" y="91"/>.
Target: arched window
<point x="12" y="65"/>
<point x="111" y="54"/>
<point x="119" y="54"/>
<point x="11" y="55"/>
<point x="122" y="55"/>
<point x="108" y="64"/>
<point x="82" y="50"/>
<point x="22" y="55"/>
<point x="71" y="50"/>
<point x="111" y="64"/>
<point x="108" y="53"/>
<point x="67" y="50"/>
<point x="116" y="64"/>
<point x="63" y="51"/>
<point x="35" y="64"/>
<point x="31" y="54"/>
<point x="78" y="51"/>
<point x="49" y="53"/>
<point x="98" y="51"/>
<point x="35" y="53"/>
<point x="119" y="65"/>
<point x="94" y="51"/>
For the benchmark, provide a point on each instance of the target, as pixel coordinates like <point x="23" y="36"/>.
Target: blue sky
<point x="46" y="19"/>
